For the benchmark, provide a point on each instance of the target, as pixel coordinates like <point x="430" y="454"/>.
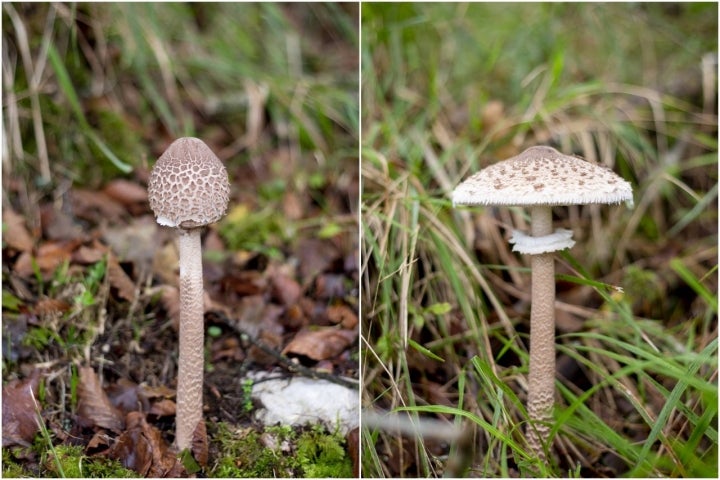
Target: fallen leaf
<point x="353" y="447"/>
<point x="124" y="396"/>
<point x="329" y="286"/>
<point x="20" y="411"/>
<point x="161" y="391"/>
<point x="58" y="224"/>
<point x="320" y="344"/>
<point x="16" y="234"/>
<point x="284" y="289"/>
<point x="269" y="339"/>
<point x="131" y="448"/>
<point x="141" y="448"/>
<point x="294" y="317"/>
<point x="48" y="306"/>
<point x="126" y="192"/>
<point x="99" y="441"/>
<point x="199" y="445"/>
<point x="315" y="257"/>
<point x="96" y="206"/>
<point x="163" y="408"/>
<point x="136" y="241"/>
<point x="94" y="406"/>
<point x="49" y="256"/>
<point x="227" y="348"/>
<point x="343" y="315"/>
<point x="120" y="280"/>
<point x="87" y="255"/>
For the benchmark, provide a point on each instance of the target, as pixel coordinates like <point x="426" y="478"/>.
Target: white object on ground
<point x="299" y="401"/>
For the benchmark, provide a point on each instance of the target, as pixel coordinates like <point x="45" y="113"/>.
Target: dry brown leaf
<point x="294" y="318"/>
<point x="136" y="241"/>
<point x="329" y="286"/>
<point x="126" y="192"/>
<point x="161" y="391"/>
<point x="163" y="408"/>
<point x="284" y="289"/>
<point x="48" y="306"/>
<point x="120" y="280"/>
<point x="353" y="447"/>
<point x="199" y="447"/>
<point x="321" y="344"/>
<point x="100" y="440"/>
<point x="227" y="348"/>
<point x="343" y="315"/>
<point x="16" y="234"/>
<point x="96" y="206"/>
<point x="58" y="224"/>
<point x="132" y="448"/>
<point x="20" y="411"/>
<point x="87" y="255"/>
<point x="269" y="339"/>
<point x="124" y="395"/>
<point x="315" y="257"/>
<point x="141" y="448"/>
<point x="49" y="256"/>
<point x="94" y="406"/>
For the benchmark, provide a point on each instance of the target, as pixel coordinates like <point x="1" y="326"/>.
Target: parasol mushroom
<point x="188" y="189"/>
<point x="540" y="178"/>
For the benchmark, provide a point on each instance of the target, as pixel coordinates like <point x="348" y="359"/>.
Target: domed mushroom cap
<point x="188" y="185"/>
<point x="542" y="176"/>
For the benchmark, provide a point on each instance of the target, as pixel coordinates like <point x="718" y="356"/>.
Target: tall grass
<point x="94" y="90"/>
<point x="451" y="88"/>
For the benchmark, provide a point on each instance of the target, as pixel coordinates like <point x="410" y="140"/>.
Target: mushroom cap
<point x="542" y="176"/>
<point x="188" y="185"/>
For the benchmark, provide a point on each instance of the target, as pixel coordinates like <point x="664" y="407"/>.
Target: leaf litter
<point x="295" y="308"/>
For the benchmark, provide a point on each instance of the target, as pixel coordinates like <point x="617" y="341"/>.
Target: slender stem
<point x="541" y="394"/>
<point x="191" y="358"/>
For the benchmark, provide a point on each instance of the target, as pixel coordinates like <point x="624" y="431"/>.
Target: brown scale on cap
<point x="189" y="185"/>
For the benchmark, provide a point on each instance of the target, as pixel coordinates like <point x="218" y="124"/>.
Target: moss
<point x="279" y="452"/>
<point x="323" y="455"/>
<point x="10" y="467"/>
<point x="61" y="461"/>
<point x="70" y="462"/>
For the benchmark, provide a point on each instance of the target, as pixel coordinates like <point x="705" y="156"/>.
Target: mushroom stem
<point x="541" y="382"/>
<point x="191" y="356"/>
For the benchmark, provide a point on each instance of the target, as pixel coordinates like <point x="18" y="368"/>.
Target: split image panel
<point x="350" y="316"/>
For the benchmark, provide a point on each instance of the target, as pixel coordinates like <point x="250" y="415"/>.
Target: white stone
<point x="299" y="401"/>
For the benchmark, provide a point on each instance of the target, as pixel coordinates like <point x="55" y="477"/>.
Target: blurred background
<point x="448" y="89"/>
<point x="93" y="93"/>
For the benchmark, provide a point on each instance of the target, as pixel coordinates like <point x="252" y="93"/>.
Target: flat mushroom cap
<point x="542" y="176"/>
<point x="188" y="185"/>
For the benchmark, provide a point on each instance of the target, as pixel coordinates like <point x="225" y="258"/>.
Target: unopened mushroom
<point x="188" y="189"/>
<point x="540" y="178"/>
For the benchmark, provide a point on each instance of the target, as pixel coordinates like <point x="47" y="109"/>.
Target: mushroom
<point x="540" y="178"/>
<point x="188" y="189"/>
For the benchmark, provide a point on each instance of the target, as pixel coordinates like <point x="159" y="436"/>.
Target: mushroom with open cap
<point x="540" y="178"/>
<point x="188" y="189"/>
